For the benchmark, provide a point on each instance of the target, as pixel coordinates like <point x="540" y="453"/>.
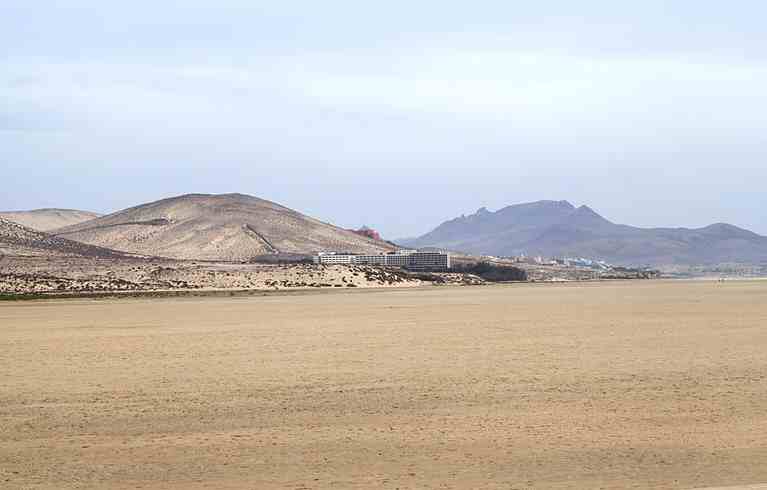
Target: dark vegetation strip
<point x="491" y="272"/>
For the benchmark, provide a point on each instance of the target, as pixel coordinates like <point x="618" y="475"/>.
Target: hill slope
<point x="557" y="229"/>
<point x="231" y="227"/>
<point x="49" y="218"/>
<point x="19" y="240"/>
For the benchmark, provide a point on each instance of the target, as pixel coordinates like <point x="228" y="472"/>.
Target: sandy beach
<point x="655" y="384"/>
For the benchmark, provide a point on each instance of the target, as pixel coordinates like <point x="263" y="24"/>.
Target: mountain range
<point x="559" y="229"/>
<point x="238" y="227"/>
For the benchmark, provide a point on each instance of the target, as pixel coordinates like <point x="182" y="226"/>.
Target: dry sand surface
<point x="605" y="385"/>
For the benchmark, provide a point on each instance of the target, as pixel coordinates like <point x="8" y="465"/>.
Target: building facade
<point x="406" y="259"/>
<point x="333" y="259"/>
<point x="370" y="259"/>
<point x="429" y="261"/>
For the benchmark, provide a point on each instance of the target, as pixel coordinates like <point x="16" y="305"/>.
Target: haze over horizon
<point x="397" y="116"/>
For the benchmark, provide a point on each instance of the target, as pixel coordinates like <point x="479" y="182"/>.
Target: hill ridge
<point x="229" y="227"/>
<point x="46" y="219"/>
<point x="17" y="239"/>
<point x="559" y="229"/>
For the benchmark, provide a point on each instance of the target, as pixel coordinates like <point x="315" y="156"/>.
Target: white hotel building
<point x="407" y="259"/>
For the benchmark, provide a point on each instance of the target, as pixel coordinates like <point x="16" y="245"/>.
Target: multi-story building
<point x="370" y="259"/>
<point x="407" y="259"/>
<point x="398" y="260"/>
<point x="429" y="261"/>
<point x="332" y="258"/>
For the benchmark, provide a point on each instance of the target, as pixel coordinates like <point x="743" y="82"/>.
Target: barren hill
<point x="229" y="227"/>
<point x="49" y="218"/>
<point x="18" y="240"/>
<point x="559" y="229"/>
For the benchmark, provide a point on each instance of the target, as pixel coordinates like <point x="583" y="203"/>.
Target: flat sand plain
<point x="604" y="385"/>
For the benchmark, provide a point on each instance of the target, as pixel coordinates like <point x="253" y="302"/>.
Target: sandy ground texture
<point x="602" y="385"/>
<point x="739" y="487"/>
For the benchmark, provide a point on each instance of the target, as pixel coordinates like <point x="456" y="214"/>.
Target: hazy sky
<point x="395" y="114"/>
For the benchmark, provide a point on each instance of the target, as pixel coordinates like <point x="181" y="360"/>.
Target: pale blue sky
<point x="395" y="114"/>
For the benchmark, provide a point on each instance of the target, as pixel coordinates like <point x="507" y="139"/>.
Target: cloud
<point x="524" y="89"/>
<point x="497" y="101"/>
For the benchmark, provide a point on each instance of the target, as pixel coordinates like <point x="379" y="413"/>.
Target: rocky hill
<point x="18" y="240"/>
<point x="559" y="229"/>
<point x="49" y="218"/>
<point x="227" y="227"/>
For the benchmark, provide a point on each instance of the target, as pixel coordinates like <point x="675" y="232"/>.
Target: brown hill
<point x="49" y="218"/>
<point x="18" y="240"/>
<point x="228" y="227"/>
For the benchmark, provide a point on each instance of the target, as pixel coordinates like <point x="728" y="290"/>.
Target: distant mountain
<point x="18" y="240"/>
<point x="559" y="229"/>
<point x="228" y="227"/>
<point x="49" y="218"/>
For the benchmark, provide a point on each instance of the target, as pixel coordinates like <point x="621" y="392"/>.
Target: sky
<point x="397" y="115"/>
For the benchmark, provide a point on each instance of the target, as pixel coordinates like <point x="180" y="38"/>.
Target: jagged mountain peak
<point x="557" y="228"/>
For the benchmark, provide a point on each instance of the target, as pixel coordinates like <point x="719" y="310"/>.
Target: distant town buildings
<point x="561" y="261"/>
<point x="407" y="259"/>
<point x="587" y="263"/>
